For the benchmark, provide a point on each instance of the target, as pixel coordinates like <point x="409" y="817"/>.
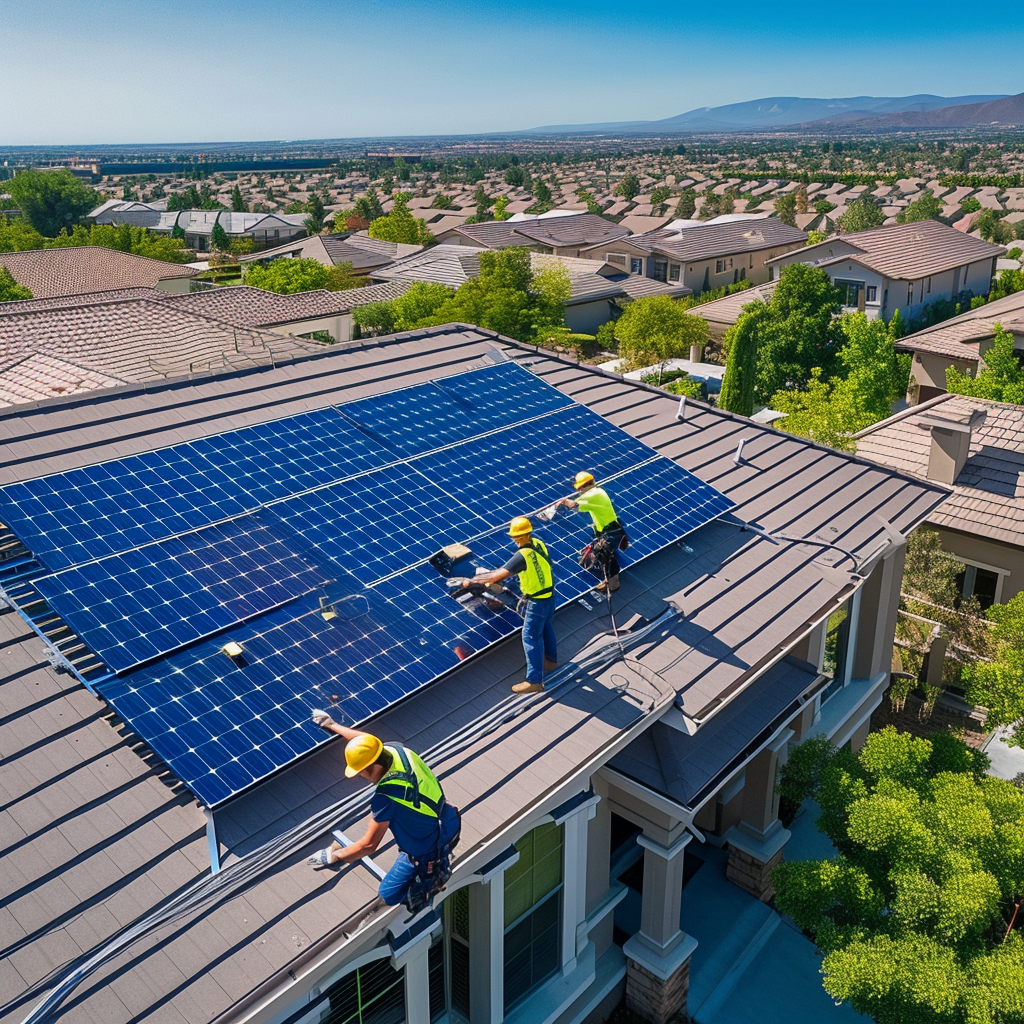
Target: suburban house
<point x="975" y="447"/>
<point x="704" y="257"/>
<point x="78" y="270"/>
<point x="265" y="229"/>
<point x="364" y="253"/>
<point x="960" y="342"/>
<point x="595" y="285"/>
<point x="561" y="234"/>
<point x="602" y="819"/>
<point x="902" y="267"/>
<point x="721" y="314"/>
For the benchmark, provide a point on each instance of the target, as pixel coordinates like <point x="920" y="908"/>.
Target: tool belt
<point x="432" y="873"/>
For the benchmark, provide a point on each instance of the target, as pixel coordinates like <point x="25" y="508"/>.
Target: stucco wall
<point x="586" y="317"/>
<point x="987" y="553"/>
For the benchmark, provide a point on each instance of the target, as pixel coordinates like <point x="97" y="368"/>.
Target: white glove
<point x="322" y="719"/>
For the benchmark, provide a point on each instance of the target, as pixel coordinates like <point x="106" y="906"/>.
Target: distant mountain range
<point x="791" y="111"/>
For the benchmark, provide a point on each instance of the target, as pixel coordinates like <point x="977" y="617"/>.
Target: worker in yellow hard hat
<point x="609" y="532"/>
<point x="409" y="800"/>
<point x="537" y="585"/>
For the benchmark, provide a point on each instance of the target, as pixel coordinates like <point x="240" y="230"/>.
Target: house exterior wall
<point x="175" y="285"/>
<point x="928" y="375"/>
<point x="586" y="317"/>
<point x="724" y="270"/>
<point x="988" y="554"/>
<point x="339" y="327"/>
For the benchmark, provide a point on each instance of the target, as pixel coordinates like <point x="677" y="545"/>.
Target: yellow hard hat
<point x="520" y="527"/>
<point x="582" y="480"/>
<point x="361" y="752"/>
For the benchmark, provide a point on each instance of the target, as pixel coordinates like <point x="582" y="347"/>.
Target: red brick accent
<point x="656" y="1000"/>
<point x="752" y="875"/>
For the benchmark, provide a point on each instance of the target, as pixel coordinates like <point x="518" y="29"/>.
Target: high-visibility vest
<point x="410" y="783"/>
<point x="536" y="580"/>
<point x="599" y="505"/>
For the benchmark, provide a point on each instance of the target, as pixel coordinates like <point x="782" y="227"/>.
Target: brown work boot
<point x="549" y="665"/>
<point x="526" y="687"/>
<point x="609" y="586"/>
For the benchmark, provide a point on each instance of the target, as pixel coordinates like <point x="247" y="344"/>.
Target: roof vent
<point x="950" y="443"/>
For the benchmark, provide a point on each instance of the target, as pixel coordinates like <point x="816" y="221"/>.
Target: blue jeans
<point x="395" y="884"/>
<point x="539" y="637"/>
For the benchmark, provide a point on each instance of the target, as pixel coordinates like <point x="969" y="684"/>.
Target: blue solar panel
<point x="72" y="517"/>
<point x="525" y="467"/>
<point x="345" y="517"/>
<point x="378" y="523"/>
<point x="429" y="416"/>
<point x="136" y="606"/>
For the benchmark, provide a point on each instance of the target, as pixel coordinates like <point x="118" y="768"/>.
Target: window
<point x="374" y="994"/>
<point x="850" y="292"/>
<point x="673" y="271"/>
<point x="929" y="286"/>
<point x="910" y="293"/>
<point x="617" y="257"/>
<point x="457" y="933"/>
<point x="771" y="273"/>
<point x="837" y="644"/>
<point x="533" y="913"/>
<point x="974" y="581"/>
<point x="636" y="265"/>
<point x="660" y="270"/>
<point x="721" y="266"/>
<point x="872" y="293"/>
<point x="435" y="972"/>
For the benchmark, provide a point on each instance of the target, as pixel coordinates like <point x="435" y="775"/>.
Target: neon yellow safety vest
<point x="536" y="580"/>
<point x="410" y="783"/>
<point x="599" y="505"/>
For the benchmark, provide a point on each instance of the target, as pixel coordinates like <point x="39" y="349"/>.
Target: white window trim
<point x="1001" y="573"/>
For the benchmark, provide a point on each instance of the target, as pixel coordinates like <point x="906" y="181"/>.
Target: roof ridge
<point x="904" y="414"/>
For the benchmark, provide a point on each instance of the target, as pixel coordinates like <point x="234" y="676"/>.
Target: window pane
<point x="985" y="583"/>
<point x="373" y="994"/>
<point x="836" y="644"/>
<point x="435" y="966"/>
<point x="536" y="873"/>
<point x="531" y="950"/>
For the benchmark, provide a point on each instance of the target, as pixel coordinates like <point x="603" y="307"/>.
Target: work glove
<point x="322" y="719"/>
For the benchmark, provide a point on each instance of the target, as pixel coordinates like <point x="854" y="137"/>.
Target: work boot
<point x="609" y="586"/>
<point x="527" y="687"/>
<point x="549" y="665"/>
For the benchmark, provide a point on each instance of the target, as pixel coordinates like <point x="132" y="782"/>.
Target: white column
<point x="487" y="950"/>
<point x="414" y="957"/>
<point x="574" y="881"/>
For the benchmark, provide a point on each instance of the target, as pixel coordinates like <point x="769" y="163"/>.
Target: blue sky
<point x="80" y="71"/>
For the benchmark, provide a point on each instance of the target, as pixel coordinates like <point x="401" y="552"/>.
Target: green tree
<point x="660" y="196"/>
<point x="687" y="204"/>
<point x="740" y="366"/>
<point x="970" y="205"/>
<point x="19" y="236"/>
<point x="219" y="237"/>
<point x="628" y="188"/>
<point x="420" y="303"/>
<point x="286" y="276"/>
<point x="400" y="225"/>
<point x="795" y="332"/>
<point x="785" y="210"/>
<point x="501" y="208"/>
<point x="588" y="197"/>
<point x="369" y="207"/>
<point x="861" y="215"/>
<point x="517" y="177"/>
<point x="442" y="202"/>
<point x="374" y="319"/>
<point x="1001" y="380"/>
<point x="541" y="192"/>
<point x="317" y="215"/>
<point x="915" y="915"/>
<point x="237" y="201"/>
<point x="483" y="203"/>
<point x="342" y="277"/>
<point x="1006" y="282"/>
<point x="992" y="228"/>
<point x="656" y="329"/>
<point x="52" y="200"/>
<point x="996" y="683"/>
<point x="10" y="290"/>
<point x="925" y="208"/>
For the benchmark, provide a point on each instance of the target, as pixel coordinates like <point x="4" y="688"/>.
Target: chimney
<point x="950" y="442"/>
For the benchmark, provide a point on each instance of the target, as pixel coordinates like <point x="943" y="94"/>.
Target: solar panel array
<point x="306" y="541"/>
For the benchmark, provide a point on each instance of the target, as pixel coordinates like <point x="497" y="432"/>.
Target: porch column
<point x="487" y="955"/>
<point x="658" y="956"/>
<point x="756" y="843"/>
<point x="414" y="957"/>
<point x="574" y="887"/>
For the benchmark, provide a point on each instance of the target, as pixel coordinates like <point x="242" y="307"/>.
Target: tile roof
<point x="906" y="252"/>
<point x="452" y="265"/>
<point x="961" y="336"/>
<point x="101" y="834"/>
<point x="254" y="307"/>
<point x="720" y="239"/>
<point x="988" y="498"/>
<point x="574" y="230"/>
<point x="141" y="339"/>
<point x="37" y="377"/>
<point x="728" y="308"/>
<point x="86" y="268"/>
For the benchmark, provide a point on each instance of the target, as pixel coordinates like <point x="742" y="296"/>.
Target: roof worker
<point x="409" y="800"/>
<point x="537" y="585"/>
<point x="609" y="533"/>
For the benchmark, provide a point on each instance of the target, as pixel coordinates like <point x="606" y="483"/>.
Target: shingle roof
<point x="988" y="498"/>
<point x="87" y="268"/>
<point x="577" y="230"/>
<point x="452" y="265"/>
<point x="721" y="239"/>
<point x="960" y="337"/>
<point x="102" y="835"/>
<point x="907" y="252"/>
<point x="727" y="309"/>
